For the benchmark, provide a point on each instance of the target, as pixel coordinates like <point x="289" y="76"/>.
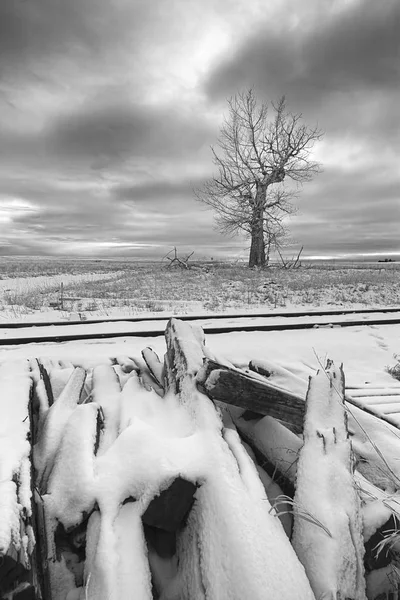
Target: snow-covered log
<point x="17" y="539"/>
<point x="52" y="423"/>
<point x="184" y="356"/>
<point x="252" y="392"/>
<point x="327" y="533"/>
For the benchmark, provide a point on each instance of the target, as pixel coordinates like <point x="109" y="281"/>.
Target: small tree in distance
<point x="255" y="153"/>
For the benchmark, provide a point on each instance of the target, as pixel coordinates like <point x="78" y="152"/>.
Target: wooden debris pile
<point x="97" y="499"/>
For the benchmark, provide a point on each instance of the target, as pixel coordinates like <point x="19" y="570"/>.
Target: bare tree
<point x="255" y="153"/>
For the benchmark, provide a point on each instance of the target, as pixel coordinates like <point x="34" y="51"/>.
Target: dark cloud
<point x="119" y="130"/>
<point x="160" y="190"/>
<point x="32" y="31"/>
<point x="104" y="135"/>
<point x="338" y="215"/>
<point x="324" y="59"/>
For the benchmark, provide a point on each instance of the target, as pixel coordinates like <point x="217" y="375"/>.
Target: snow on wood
<point x="331" y="549"/>
<point x="41" y="400"/>
<point x="148" y="494"/>
<point x="373" y="392"/>
<point x="280" y="376"/>
<point x="52" y="424"/>
<point x="59" y="376"/>
<point x="184" y="355"/>
<point x="16" y="534"/>
<point x="106" y="393"/>
<point x="128" y="364"/>
<point x="277" y="446"/>
<point x="72" y="479"/>
<point x="377" y="448"/>
<point x="375" y="443"/>
<point x="235" y="560"/>
<point x="154" y="364"/>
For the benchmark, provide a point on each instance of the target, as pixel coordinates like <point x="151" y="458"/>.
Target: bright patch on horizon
<point x="119" y="245"/>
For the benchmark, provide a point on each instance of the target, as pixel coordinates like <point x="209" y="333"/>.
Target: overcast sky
<point x="108" y="109"/>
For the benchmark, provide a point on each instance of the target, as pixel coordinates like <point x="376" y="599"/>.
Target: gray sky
<point x="109" y="108"/>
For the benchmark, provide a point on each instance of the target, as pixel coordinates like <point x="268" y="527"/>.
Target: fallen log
<point x="242" y="389"/>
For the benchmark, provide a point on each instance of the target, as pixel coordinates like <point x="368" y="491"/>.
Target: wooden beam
<point x="240" y="388"/>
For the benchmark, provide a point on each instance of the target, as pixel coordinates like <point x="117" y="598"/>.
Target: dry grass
<point x="133" y="286"/>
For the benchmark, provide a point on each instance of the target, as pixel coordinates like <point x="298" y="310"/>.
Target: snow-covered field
<point x="112" y="288"/>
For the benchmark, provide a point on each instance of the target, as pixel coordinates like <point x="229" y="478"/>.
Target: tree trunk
<point x="257" y="249"/>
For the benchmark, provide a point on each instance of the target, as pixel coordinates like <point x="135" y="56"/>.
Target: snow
<point x="377" y="443"/>
<point x="383" y="583"/>
<point x="283" y="377"/>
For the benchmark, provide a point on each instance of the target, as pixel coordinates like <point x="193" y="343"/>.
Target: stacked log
<point x="164" y="477"/>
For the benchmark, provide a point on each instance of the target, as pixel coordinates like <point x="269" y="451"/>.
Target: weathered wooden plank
<point x="239" y="388"/>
